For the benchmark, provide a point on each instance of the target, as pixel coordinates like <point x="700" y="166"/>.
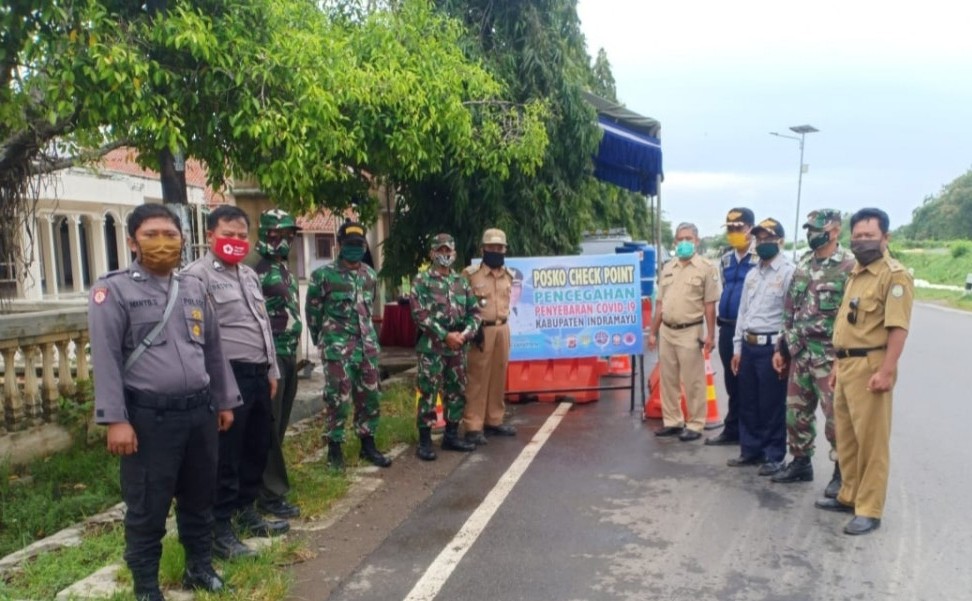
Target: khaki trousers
<point x="486" y="379"/>
<point x="863" y="421"/>
<point x="680" y="357"/>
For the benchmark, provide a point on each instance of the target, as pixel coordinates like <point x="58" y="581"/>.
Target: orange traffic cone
<point x="712" y="419"/>
<point x="653" y="407"/>
<point x="440" y="423"/>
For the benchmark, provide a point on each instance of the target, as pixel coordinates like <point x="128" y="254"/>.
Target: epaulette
<point x="472" y="268"/>
<point x="183" y="274"/>
<point x="112" y="274"/>
<point x="896" y="265"/>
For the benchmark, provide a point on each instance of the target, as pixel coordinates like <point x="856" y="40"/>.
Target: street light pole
<point x="803" y="130"/>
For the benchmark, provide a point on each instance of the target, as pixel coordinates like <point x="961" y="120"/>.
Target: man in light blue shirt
<point x="762" y="406"/>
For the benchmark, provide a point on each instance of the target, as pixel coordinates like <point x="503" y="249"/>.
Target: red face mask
<point x="230" y="250"/>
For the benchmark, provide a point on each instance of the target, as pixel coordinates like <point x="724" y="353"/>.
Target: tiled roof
<point x="123" y="160"/>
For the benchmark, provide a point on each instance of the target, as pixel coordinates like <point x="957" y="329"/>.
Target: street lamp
<point x="803" y="130"/>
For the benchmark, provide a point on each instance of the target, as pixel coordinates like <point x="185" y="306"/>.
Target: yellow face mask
<point x="738" y="240"/>
<point x="160" y="254"/>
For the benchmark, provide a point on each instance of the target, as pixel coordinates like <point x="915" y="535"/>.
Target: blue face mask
<point x="685" y="249"/>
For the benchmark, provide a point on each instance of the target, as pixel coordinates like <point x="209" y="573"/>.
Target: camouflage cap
<point x="770" y="226"/>
<point x="276" y="219"/>
<point x="440" y="240"/>
<point x="494" y="236"/>
<point x="820" y="218"/>
<point x="351" y="230"/>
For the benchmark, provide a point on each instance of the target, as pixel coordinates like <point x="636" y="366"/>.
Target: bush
<point x="961" y="248"/>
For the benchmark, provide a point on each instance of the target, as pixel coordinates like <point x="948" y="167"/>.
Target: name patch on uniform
<point x="135" y="304"/>
<point x="195" y="302"/>
<point x="99" y="295"/>
<point x="897" y="291"/>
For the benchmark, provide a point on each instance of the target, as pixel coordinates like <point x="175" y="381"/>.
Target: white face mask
<point x="444" y="260"/>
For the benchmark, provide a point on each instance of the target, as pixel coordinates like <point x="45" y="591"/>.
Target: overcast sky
<point x="889" y="86"/>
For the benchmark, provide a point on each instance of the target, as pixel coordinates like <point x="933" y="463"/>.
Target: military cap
<point x="820" y="218"/>
<point x="440" y="240"/>
<point x="740" y="216"/>
<point x="276" y="219"/>
<point x="494" y="236"/>
<point x="770" y="226"/>
<point x="351" y="230"/>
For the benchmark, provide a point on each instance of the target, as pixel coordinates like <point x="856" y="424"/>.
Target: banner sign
<point x="574" y="307"/>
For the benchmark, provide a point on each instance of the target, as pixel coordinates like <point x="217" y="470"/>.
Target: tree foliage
<point x="946" y="216"/>
<point x="313" y="106"/>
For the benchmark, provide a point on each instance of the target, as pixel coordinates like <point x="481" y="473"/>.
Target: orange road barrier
<point x="551" y="380"/>
<point x="653" y="407"/>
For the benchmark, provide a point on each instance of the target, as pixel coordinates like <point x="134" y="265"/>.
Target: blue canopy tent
<point x="630" y="154"/>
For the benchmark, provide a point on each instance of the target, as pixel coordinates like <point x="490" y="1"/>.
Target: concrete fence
<point x="44" y="355"/>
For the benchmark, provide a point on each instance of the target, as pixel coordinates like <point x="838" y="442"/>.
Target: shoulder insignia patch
<point x="99" y="295"/>
<point x="897" y="291"/>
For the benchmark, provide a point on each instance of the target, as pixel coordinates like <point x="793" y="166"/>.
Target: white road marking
<point x="442" y="567"/>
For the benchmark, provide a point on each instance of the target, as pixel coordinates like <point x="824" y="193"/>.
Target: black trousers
<point x="176" y="458"/>
<point x="276" y="484"/>
<point x="731" y="422"/>
<point x="243" y="448"/>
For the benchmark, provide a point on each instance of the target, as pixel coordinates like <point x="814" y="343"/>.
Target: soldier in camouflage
<point x="805" y="348"/>
<point x="277" y="231"/>
<point x="447" y="314"/>
<point x="339" y="304"/>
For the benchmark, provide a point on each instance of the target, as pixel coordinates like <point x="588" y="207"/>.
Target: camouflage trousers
<point x="809" y="385"/>
<point x="352" y="380"/>
<point x="445" y="374"/>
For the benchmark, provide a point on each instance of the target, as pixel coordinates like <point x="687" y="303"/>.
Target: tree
<point x="314" y="107"/>
<point x="537" y="50"/>
<point x="603" y="78"/>
<point x="947" y="216"/>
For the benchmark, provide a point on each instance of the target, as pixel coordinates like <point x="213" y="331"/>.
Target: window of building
<point x="324" y="244"/>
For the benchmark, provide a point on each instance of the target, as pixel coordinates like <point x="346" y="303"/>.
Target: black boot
<point x="225" y="543"/>
<point x="424" y="450"/>
<point x="202" y="576"/>
<point x="835" y="482"/>
<point x="335" y="456"/>
<point x="370" y="452"/>
<point x="798" y="470"/>
<point x="452" y="442"/>
<point x="147" y="585"/>
<point x="252" y="523"/>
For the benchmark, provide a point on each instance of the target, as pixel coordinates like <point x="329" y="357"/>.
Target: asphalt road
<point x="607" y="511"/>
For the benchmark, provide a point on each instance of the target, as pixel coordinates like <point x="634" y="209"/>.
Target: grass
<point x="938" y="266"/>
<point x="957" y="300"/>
<point x="70" y="486"/>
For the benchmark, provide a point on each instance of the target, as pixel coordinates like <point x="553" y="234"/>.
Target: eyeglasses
<point x="854" y="304"/>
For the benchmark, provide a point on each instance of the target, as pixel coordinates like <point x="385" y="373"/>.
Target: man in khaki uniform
<point x="687" y="293"/>
<point x="492" y="283"/>
<point x="869" y="336"/>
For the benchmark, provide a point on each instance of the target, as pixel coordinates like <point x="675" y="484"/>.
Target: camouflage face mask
<point x="444" y="260"/>
<point x="269" y="250"/>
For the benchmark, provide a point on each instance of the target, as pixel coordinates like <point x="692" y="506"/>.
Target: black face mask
<point x="818" y="239"/>
<point x="866" y="251"/>
<point x="493" y="259"/>
<point x="767" y="250"/>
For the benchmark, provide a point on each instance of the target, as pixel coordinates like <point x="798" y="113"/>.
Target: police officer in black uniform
<point x="164" y="389"/>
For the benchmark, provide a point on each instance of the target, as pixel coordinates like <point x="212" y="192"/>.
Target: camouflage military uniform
<point x="339" y="304"/>
<point x="442" y="304"/>
<point x="280" y="291"/>
<point x="810" y="307"/>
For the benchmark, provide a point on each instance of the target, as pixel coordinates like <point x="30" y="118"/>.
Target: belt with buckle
<point x="244" y="368"/>
<point x="681" y="326"/>
<point x="149" y="400"/>
<point x="843" y="353"/>
<point x="760" y="339"/>
<point x="494" y="322"/>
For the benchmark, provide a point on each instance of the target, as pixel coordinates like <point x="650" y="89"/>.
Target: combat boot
<point x="147" y="586"/>
<point x="370" y="452"/>
<point x="202" y="576"/>
<point x="424" y="450"/>
<point x="798" y="470"/>
<point x="251" y="523"/>
<point x="452" y="442"/>
<point x="149" y="594"/>
<point x="225" y="543"/>
<point x="335" y="456"/>
<point x="835" y="482"/>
